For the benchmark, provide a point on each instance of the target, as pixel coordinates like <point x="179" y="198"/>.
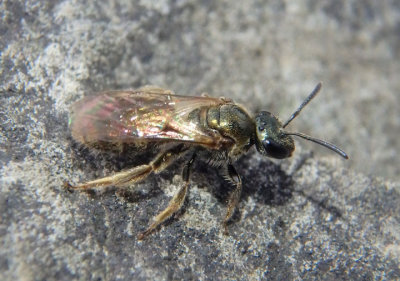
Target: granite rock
<point x="310" y="217"/>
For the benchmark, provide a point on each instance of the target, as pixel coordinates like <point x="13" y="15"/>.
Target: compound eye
<point x="275" y="150"/>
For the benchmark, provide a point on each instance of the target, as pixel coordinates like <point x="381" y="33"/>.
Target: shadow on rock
<point x="267" y="182"/>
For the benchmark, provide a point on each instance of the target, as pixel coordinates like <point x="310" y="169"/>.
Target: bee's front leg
<point x="136" y="174"/>
<point x="233" y="177"/>
<point x="176" y="202"/>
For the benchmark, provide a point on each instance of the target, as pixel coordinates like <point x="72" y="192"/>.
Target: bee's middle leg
<point x="176" y="202"/>
<point x="234" y="178"/>
<point x="136" y="174"/>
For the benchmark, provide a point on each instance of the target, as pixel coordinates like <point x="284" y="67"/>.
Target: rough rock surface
<point x="310" y="217"/>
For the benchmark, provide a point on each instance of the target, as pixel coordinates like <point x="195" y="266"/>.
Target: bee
<point x="212" y="129"/>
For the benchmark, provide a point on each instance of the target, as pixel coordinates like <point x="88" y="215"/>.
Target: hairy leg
<point x="233" y="177"/>
<point x="136" y="174"/>
<point x="176" y="202"/>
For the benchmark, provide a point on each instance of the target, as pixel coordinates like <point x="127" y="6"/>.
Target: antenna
<point x="328" y="145"/>
<point x="305" y="102"/>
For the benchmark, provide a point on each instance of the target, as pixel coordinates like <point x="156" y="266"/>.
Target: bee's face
<point x="271" y="141"/>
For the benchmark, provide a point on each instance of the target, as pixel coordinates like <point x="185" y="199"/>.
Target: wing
<point x="146" y="114"/>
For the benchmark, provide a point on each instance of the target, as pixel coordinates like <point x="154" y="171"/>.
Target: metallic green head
<point x="271" y="140"/>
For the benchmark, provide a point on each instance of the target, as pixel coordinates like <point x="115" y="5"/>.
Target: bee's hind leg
<point x="136" y="174"/>
<point x="176" y="202"/>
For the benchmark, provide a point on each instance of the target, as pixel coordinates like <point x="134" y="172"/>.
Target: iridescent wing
<point x="146" y="114"/>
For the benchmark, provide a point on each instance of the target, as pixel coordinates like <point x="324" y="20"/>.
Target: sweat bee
<point x="213" y="129"/>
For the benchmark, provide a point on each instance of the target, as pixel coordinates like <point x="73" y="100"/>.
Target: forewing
<point x="146" y="114"/>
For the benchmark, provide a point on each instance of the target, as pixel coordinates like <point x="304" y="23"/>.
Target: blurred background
<point x="298" y="219"/>
<point x="266" y="55"/>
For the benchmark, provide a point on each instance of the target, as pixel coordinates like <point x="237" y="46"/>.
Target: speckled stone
<point x="311" y="217"/>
